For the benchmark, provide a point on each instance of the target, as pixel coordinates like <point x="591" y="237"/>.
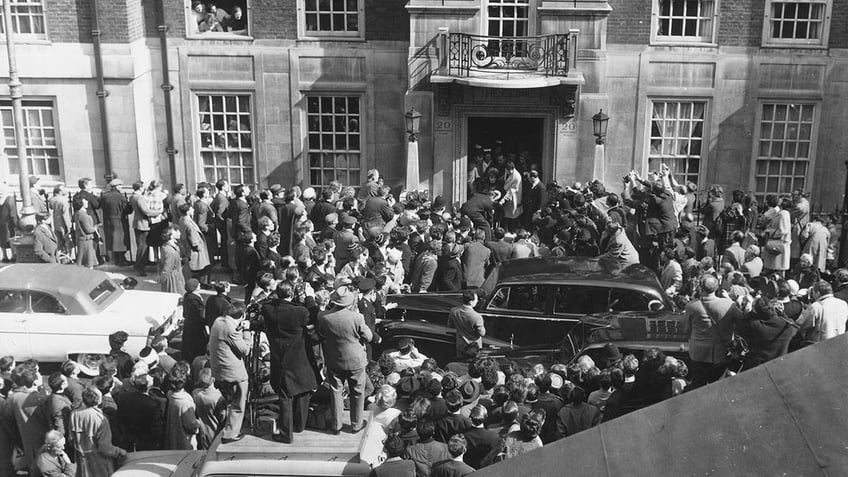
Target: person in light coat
<point x="181" y="424"/>
<point x="91" y="435"/>
<point x="194" y="244"/>
<point x="778" y="232"/>
<point x="617" y="246"/>
<point x="512" y="198"/>
<point x="815" y="238"/>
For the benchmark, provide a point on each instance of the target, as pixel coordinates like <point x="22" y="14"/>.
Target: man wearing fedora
<point x="344" y="332"/>
<point x="116" y="227"/>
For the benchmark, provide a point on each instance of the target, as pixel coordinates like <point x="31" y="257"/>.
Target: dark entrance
<point x="520" y="136"/>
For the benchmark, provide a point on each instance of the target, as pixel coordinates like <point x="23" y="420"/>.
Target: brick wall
<point x="112" y="20"/>
<point x="839" y="25"/>
<point x="68" y="21"/>
<point x="386" y="20"/>
<point x="741" y="23"/>
<point x="629" y="22"/>
<point x="274" y="19"/>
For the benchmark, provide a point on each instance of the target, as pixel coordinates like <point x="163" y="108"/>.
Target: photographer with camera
<point x="656" y="205"/>
<point x="227" y="349"/>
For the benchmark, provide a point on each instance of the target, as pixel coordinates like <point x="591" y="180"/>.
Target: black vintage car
<point x="535" y="301"/>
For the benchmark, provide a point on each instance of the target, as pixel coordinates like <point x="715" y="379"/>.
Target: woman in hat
<point x="85" y="233"/>
<point x="358" y="266"/>
<point x="171" y="278"/>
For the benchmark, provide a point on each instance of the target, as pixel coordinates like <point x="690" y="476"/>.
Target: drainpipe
<point x="167" y="87"/>
<point x="101" y="90"/>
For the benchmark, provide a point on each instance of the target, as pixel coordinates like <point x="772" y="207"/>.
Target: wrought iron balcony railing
<point x="543" y="55"/>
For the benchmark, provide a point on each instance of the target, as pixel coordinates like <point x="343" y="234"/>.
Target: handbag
<point x="774" y="246"/>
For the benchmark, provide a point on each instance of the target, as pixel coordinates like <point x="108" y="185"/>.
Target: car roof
<point x="69" y="283"/>
<point x="575" y="268"/>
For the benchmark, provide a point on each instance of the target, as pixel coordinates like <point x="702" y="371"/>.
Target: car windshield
<point x="102" y="291"/>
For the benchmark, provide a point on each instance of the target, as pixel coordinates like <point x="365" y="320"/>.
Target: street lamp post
<point x="600" y="123"/>
<point x="413" y="128"/>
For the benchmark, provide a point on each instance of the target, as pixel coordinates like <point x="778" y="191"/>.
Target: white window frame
<point x="304" y="34"/>
<point x="531" y="16"/>
<point x="821" y="42"/>
<point x="29" y="104"/>
<point x="705" y="40"/>
<point x="704" y="152"/>
<point x="25" y="37"/>
<point x="198" y="137"/>
<point x="308" y="150"/>
<point x="218" y="35"/>
<point x="813" y="122"/>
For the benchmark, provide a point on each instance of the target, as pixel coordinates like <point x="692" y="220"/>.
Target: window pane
<point x="783" y="154"/>
<point x="332" y="16"/>
<point x="226" y="140"/>
<point x="676" y="137"/>
<point x="339" y="120"/>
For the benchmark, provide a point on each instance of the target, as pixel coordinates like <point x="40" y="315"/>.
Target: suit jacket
<point x="263" y="209"/>
<point x="227" y="349"/>
<point x="501" y="251"/>
<point x="141" y="212"/>
<point x="220" y="205"/>
<point x="534" y="198"/>
<point x="261" y="245"/>
<point x="286" y="216"/>
<point x="423" y="272"/>
<point x="711" y="321"/>
<point x="376" y="213"/>
<point x="572" y="419"/>
<point x="318" y="214"/>
<point x="216" y="305"/>
<point x="450" y="468"/>
<point x="9" y="214"/>
<point x="450" y="425"/>
<point x="45" y="244"/>
<point x="424" y="454"/>
<point x="239" y="213"/>
<point x="141" y="421"/>
<point x="395" y="468"/>
<point x="475" y="259"/>
<point x="93" y="204"/>
<point x="480" y="442"/>
<point x="478" y="208"/>
<point x="61" y="214"/>
<point x="619" y="247"/>
<point x="343" y="332"/>
<point x="449" y="274"/>
<point x="551" y="404"/>
<point x="204" y="217"/>
<point x="285" y="324"/>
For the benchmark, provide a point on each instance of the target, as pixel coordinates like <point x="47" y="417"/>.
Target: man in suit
<point x="195" y="337"/>
<point x="61" y="210"/>
<point x="344" y="331"/>
<point x="424" y="268"/>
<point x="617" y="246"/>
<point x="140" y="417"/>
<point x="93" y="201"/>
<point x="449" y="270"/>
<point x="475" y="260"/>
<point x="239" y="213"/>
<point x="220" y="205"/>
<point x="480" y="440"/>
<point x="44" y="241"/>
<point x="344" y="239"/>
<point x="322" y="208"/>
<point x="227" y="349"/>
<point x="115" y="225"/>
<point x="534" y="198"/>
<point x="479" y="209"/>
<point x="264" y="208"/>
<point x="551" y="404"/>
<point x="453" y="422"/>
<point x="292" y="377"/>
<point x="141" y="225"/>
<point x="501" y="250"/>
<point x="377" y="210"/>
<point x="468" y="323"/>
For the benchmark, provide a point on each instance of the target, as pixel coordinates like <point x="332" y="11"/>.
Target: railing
<point x="544" y="55"/>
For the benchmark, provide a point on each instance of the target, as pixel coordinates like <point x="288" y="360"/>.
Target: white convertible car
<point x="50" y="312"/>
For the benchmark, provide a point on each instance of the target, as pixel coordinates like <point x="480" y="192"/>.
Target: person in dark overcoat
<point x="218" y="304"/>
<point x="286" y="217"/>
<point x="8" y="223"/>
<point x="115" y="224"/>
<point x="195" y="336"/>
<point x="45" y="245"/>
<point x="291" y="374"/>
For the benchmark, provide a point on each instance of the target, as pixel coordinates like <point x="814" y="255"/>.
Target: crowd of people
<point x="317" y="267"/>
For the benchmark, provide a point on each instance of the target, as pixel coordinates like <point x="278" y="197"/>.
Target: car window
<point x="580" y="300"/>
<point x="627" y="300"/>
<point x="527" y="298"/>
<point x="13" y="301"/>
<point x="45" y="303"/>
<point x="102" y="291"/>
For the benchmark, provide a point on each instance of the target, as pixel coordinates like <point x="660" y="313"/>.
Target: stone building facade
<point x="746" y="93"/>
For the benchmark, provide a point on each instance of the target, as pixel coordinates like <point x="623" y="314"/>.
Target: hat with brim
<point x="275" y="189"/>
<point x="116" y="182"/>
<point x="343" y="297"/>
<point x="470" y="391"/>
<point x="612" y="353"/>
<point x="89" y="364"/>
<point x="367" y="284"/>
<point x="408" y="385"/>
<point x="349" y="220"/>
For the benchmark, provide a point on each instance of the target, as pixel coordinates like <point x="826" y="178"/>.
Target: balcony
<point x="507" y="62"/>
